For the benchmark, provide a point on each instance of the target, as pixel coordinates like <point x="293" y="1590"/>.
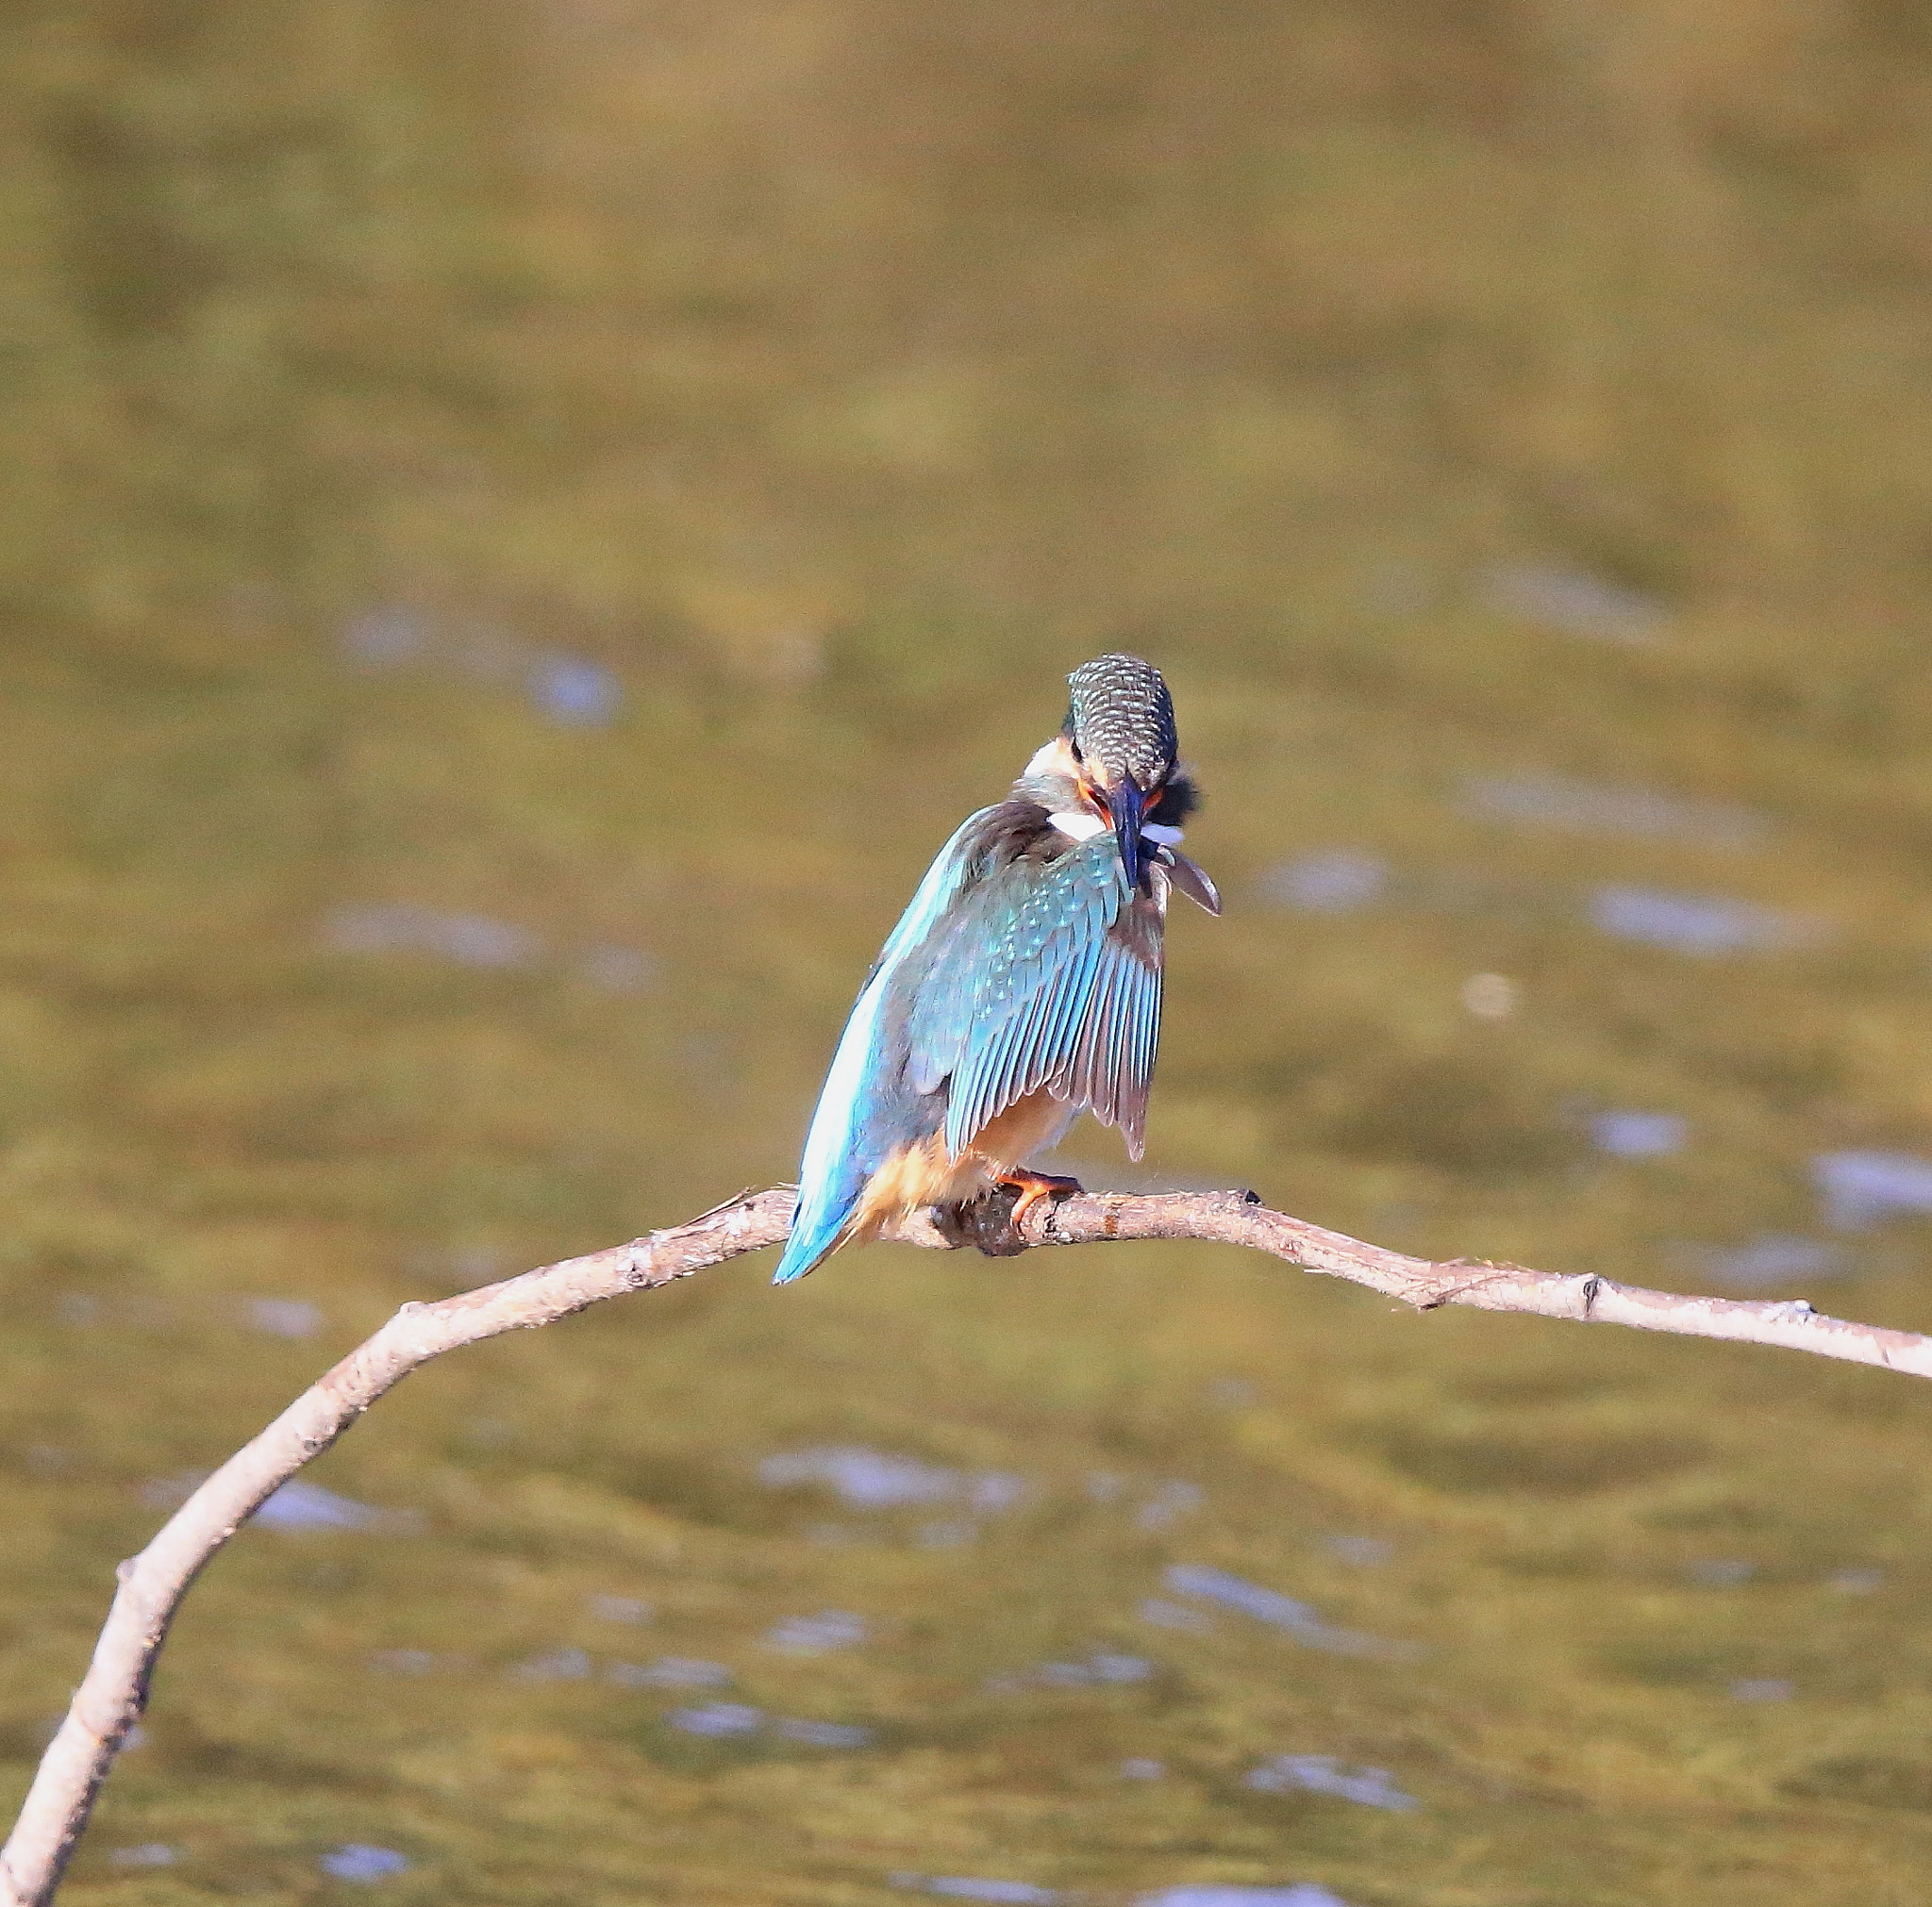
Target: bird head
<point x="1115" y="765"/>
<point x="1121" y="730"/>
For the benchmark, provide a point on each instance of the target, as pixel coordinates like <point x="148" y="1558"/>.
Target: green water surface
<point x="523" y="527"/>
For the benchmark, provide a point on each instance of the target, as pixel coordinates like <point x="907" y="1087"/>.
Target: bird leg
<point x="1031" y="1188"/>
<point x="991" y="1222"/>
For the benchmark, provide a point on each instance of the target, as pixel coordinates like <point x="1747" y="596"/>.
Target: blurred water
<point x="1280" y="1612"/>
<point x="1702" y="924"/>
<point x="1771" y="1259"/>
<point x="817" y="1635"/>
<point x="1573" y="601"/>
<point x="716" y="1719"/>
<point x="1638" y="1134"/>
<point x="285" y="1316"/>
<point x="525" y="531"/>
<point x="360" y="1861"/>
<point x="569" y="689"/>
<point x="471" y="939"/>
<point x="1862" y="1188"/>
<point x="1322" y="1775"/>
<point x="1303" y="1894"/>
<point x="299" y="1505"/>
<point x="866" y="1479"/>
<point x="965" y="1888"/>
<point x="668" y="1671"/>
<point x="619" y="1608"/>
<point x="1336" y="881"/>
<point x="1588" y="807"/>
<point x="149" y="1854"/>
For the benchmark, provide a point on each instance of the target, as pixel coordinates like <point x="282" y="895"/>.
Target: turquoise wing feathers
<point x="1001" y="979"/>
<point x="843" y="1137"/>
<point x="1048" y="977"/>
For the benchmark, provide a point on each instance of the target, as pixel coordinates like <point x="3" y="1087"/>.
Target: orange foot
<point x="1032" y="1187"/>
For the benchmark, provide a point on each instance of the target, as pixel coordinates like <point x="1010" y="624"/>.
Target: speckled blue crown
<point x="1123" y="717"/>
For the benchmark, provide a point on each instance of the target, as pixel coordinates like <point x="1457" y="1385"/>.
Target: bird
<point x="1021" y="987"/>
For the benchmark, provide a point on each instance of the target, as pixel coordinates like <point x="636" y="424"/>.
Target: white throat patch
<point x="1084" y="827"/>
<point x="1077" y="827"/>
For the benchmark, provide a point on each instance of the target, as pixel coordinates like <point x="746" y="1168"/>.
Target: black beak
<point x="1127" y="806"/>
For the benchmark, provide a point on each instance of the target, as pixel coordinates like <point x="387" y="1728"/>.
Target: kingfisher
<point x="1022" y="986"/>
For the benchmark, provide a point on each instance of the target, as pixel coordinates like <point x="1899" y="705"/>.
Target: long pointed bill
<point x="1125" y="807"/>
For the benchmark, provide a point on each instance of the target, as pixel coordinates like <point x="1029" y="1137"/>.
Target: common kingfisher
<point x="1021" y="987"/>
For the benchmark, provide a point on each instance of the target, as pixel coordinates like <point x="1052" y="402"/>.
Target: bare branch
<point x="111" y="1698"/>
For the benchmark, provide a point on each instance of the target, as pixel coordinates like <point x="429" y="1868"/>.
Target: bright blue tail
<point x="814" y="1232"/>
<point x="856" y="1123"/>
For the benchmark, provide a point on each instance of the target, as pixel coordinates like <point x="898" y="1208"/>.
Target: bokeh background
<point x="522" y="528"/>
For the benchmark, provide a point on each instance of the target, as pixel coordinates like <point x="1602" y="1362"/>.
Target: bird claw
<point x="986" y="1224"/>
<point x="991" y="1222"/>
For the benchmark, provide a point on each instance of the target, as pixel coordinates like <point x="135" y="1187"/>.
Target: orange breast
<point x="922" y="1175"/>
<point x="1027" y="1126"/>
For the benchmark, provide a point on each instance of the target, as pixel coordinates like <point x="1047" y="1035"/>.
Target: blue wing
<point x="1000" y="980"/>
<point x="845" y="1144"/>
<point x="1047" y="975"/>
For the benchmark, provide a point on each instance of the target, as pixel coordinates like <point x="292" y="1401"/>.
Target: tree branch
<point x="115" y="1690"/>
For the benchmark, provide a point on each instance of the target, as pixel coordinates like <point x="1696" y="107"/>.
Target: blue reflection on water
<point x="1101" y="1668"/>
<point x="1343" y="881"/>
<point x="299" y="1505"/>
<point x="569" y="689"/>
<point x="736" y="1720"/>
<point x="477" y="940"/>
<point x="668" y="1671"/>
<point x="1721" y="1572"/>
<point x="1638" y="1134"/>
<point x="285" y="1316"/>
<point x="358" y="1861"/>
<point x="1572" y="602"/>
<point x="1701" y="924"/>
<point x="965" y="1888"/>
<point x="1334" y="880"/>
<point x="400" y="927"/>
<point x="1283" y="1612"/>
<point x="1323" y="1775"/>
<point x="578" y="694"/>
<point x="1773" y="1258"/>
<point x="149" y="1854"/>
<point x="1860" y="1189"/>
<point x="835" y="1734"/>
<point x="1558" y="801"/>
<point x="387" y="637"/>
<point x="558" y="1665"/>
<point x="1304" y="1894"/>
<point x="716" y="1719"/>
<point x="617" y="1608"/>
<point x="817" y="1635"/>
<point x="870" y="1480"/>
<point x="1169" y="1504"/>
<point x="1171" y="1616"/>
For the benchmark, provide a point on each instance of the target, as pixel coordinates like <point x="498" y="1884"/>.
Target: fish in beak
<point x="1190" y="878"/>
